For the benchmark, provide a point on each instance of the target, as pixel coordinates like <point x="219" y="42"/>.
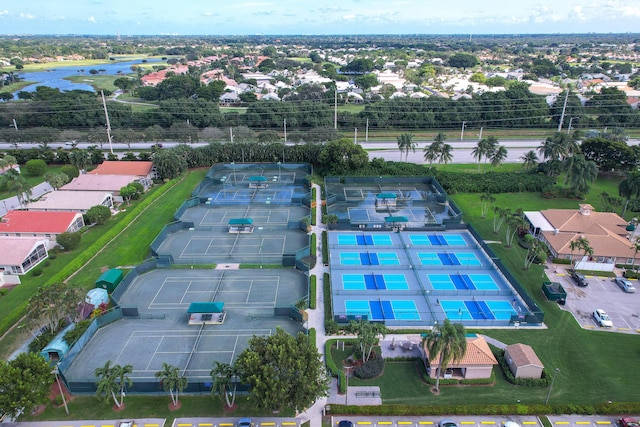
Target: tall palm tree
<point x="580" y="173"/>
<point x="498" y="156"/>
<point x="113" y="380"/>
<point x="224" y="376"/>
<point x="485" y="200"/>
<point x="172" y="381"/>
<point x="529" y="160"/>
<point x="446" y="343"/>
<point x="629" y="188"/>
<point x="18" y="184"/>
<point x="446" y="154"/>
<point x="405" y="143"/>
<point x="557" y="147"/>
<point x="433" y="151"/>
<point x="581" y="243"/>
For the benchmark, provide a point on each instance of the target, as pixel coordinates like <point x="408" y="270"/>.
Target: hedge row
<point x="313" y="248"/>
<point x="330" y="325"/>
<point x="614" y="408"/>
<point x="453" y="381"/>
<point x="325" y="247"/>
<point x="331" y="365"/>
<point x="312" y="292"/>
<point x="313" y="209"/>
<point x="82" y="258"/>
<point x="493" y="182"/>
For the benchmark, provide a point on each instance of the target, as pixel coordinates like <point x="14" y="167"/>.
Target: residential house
<point x="144" y="169"/>
<point x="606" y="233"/>
<point x="71" y="201"/>
<point x="103" y="183"/>
<point x="477" y="362"/>
<point x="523" y="362"/>
<point x="40" y="225"/>
<point x="18" y="255"/>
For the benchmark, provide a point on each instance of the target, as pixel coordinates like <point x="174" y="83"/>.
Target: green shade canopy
<point x="240" y="221"/>
<point x="257" y="179"/>
<point x="206" y="307"/>
<point x="396" y="219"/>
<point x="386" y="196"/>
<point x="110" y="279"/>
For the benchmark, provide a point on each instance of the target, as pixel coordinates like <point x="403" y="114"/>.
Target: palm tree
<point x="498" y="156"/>
<point x="111" y="380"/>
<point x="629" y="187"/>
<point x="405" y="143"/>
<point x="225" y="375"/>
<point x="446" y="154"/>
<point x="580" y="173"/>
<point x="172" y="380"/>
<point x="434" y="150"/>
<point x="8" y="161"/>
<point x="446" y="343"/>
<point x="529" y="160"/>
<point x="19" y="185"/>
<point x="556" y="147"/>
<point x="486" y="199"/>
<point x="581" y="243"/>
<point x="80" y="159"/>
<point x="635" y="245"/>
<point x="486" y="148"/>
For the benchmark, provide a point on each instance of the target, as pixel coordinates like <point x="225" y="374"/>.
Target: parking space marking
<point x="271" y="423"/>
<point x="488" y="422"/>
<point x="426" y="422"/>
<point x="562" y="422"/>
<point x="206" y="424"/>
<point x="384" y="422"/>
<point x="583" y="422"/>
<point x="603" y="422"/>
<point x="529" y="422"/>
<point x="405" y="422"/>
<point x="289" y="423"/>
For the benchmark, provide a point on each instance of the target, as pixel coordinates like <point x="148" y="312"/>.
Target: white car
<point x="602" y="318"/>
<point x="625" y="285"/>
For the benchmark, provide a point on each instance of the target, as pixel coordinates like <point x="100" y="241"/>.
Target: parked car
<point x="625" y="285"/>
<point x="602" y="318"/>
<point x="579" y="278"/>
<point x="345" y="423"/>
<point x="244" y="422"/>
<point x="447" y="423"/>
<point x="628" y="422"/>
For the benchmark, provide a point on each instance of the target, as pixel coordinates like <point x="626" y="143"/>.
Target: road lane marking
<point x="225" y="424"/>
<point x="583" y="422"/>
<point x="364" y="422"/>
<point x="468" y="422"/>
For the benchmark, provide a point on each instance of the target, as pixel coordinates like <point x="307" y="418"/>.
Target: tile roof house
<point x="72" y="201"/>
<point x="138" y="167"/>
<point x="523" y="361"/>
<point x="103" y="183"/>
<point x="477" y="362"/>
<point x="40" y="225"/>
<point x="606" y="232"/>
<point x="18" y="255"/>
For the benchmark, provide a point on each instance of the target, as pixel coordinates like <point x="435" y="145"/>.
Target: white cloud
<point x="91" y="19"/>
<point x="349" y="17"/>
<point x="27" y="16"/>
<point x="4" y="12"/>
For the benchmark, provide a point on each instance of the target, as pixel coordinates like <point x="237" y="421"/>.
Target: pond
<point x="55" y="77"/>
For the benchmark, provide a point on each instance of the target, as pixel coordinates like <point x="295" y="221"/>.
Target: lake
<point x="54" y="77"/>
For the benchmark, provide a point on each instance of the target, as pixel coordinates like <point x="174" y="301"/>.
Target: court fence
<point x="189" y="203"/>
<point x="124" y="285"/>
<point x="172" y="227"/>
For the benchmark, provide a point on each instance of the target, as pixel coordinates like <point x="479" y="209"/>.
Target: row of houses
<point x="26" y="236"/>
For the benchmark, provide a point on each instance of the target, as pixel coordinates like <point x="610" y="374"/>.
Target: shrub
<point x="70" y="170"/>
<point x="37" y="271"/>
<point x="493" y="182"/>
<point x="35" y="167"/>
<point x="98" y="214"/>
<point x="72" y="336"/>
<point x="312" y="292"/>
<point x="313" y="249"/>
<point x="69" y="241"/>
<point x="325" y="247"/>
<point x="371" y="368"/>
<point x="41" y="341"/>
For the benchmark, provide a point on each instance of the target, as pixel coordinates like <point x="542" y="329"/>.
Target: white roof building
<point x="72" y="201"/>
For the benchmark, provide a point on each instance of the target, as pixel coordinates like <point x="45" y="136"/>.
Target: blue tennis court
<point x="381" y="310"/>
<point x="477" y="309"/>
<point x="442" y="282"/>
<point x="448" y="258"/>
<point x="352" y="282"/>
<point x="438" y="239"/>
<point x="369" y="258"/>
<point x="364" y="239"/>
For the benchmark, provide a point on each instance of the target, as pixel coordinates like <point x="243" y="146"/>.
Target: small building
<point x="386" y="200"/>
<point x="258" y="182"/>
<point x="55" y="351"/>
<point x="71" y="201"/>
<point x="523" y="361"/>
<point x="210" y="313"/>
<point x="396" y="222"/>
<point x="477" y="362"/>
<point x="18" y="255"/>
<point x="40" y="225"/>
<point x="104" y="183"/>
<point x="143" y="169"/>
<point x="110" y="279"/>
<point x="8" y="281"/>
<point x="240" y="225"/>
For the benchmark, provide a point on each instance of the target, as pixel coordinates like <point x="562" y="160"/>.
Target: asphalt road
<point x="387" y="150"/>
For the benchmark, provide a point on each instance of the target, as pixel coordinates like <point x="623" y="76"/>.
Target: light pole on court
<point x="551" y="385"/>
<point x="279" y="164"/>
<point x="193" y="251"/>
<point x="347" y="370"/>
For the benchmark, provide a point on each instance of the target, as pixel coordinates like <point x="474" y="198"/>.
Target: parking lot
<point x="601" y="293"/>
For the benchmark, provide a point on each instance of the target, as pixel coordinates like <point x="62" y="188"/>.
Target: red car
<point x="628" y="422"/>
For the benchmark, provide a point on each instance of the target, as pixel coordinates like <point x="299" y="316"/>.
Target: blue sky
<point x="221" y="17"/>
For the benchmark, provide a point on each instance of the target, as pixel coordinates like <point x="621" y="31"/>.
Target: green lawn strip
<point x="132" y="246"/>
<point x="32" y="180"/>
<point x="136" y="406"/>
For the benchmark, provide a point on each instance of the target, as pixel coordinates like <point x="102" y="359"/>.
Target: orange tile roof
<point x="138" y="168"/>
<point x="37" y="222"/>
<point x="523" y="355"/>
<point x="478" y="354"/>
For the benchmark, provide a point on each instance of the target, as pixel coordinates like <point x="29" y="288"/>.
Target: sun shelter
<point x="396" y="221"/>
<point x="386" y="200"/>
<point x="57" y="348"/>
<point x="258" y="182"/>
<point x="210" y="313"/>
<point x="240" y="225"/>
<point x="110" y="279"/>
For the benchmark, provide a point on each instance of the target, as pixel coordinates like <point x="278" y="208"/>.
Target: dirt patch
<point x="175" y="407"/>
<point x="104" y="268"/>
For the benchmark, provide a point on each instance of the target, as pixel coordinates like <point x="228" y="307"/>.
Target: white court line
<point x="157" y="293"/>
<point x="155" y="352"/>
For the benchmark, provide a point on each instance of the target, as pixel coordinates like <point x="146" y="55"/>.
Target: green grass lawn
<point x="239" y="110"/>
<point x="32" y="180"/>
<point x="97" y="81"/>
<point x="351" y="108"/>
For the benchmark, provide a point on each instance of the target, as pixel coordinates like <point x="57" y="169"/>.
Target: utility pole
<point x="335" y="109"/>
<point x="480" y="137"/>
<point x="15" y="125"/>
<point x="106" y="114"/>
<point x="366" y="132"/>
<point x="569" y="128"/>
<point x="285" y="131"/>
<point x="462" y="131"/>
<point x="564" y="107"/>
<point x="231" y="134"/>
<point x="355" y="136"/>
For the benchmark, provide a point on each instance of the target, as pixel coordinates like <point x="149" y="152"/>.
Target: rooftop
<point x="37" y="222"/>
<point x="139" y="168"/>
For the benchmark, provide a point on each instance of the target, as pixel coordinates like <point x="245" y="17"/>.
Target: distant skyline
<point x="218" y="17"/>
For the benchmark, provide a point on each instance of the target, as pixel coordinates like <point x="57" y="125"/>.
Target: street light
<point x="346" y="393"/>
<point x="193" y="251"/>
<point x="64" y="399"/>
<point x="279" y="178"/>
<point x="551" y="385"/>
